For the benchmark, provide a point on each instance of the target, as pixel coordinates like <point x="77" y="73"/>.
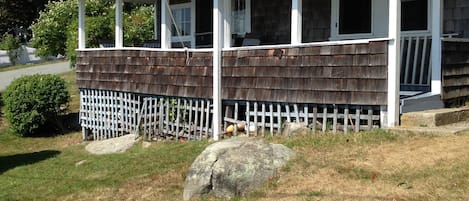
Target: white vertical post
<point x="155" y="21"/>
<point x="193" y="21"/>
<point x="394" y="63"/>
<point x="217" y="43"/>
<point x="165" y="25"/>
<point x="296" y="21"/>
<point x="227" y="24"/>
<point x="81" y="24"/>
<point x="436" y="46"/>
<point x="119" y="37"/>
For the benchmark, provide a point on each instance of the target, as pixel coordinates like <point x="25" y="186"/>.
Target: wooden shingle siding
<point x="270" y="21"/>
<point x="341" y="74"/>
<point x="455" y="70"/>
<point x="338" y="74"/>
<point x="456" y="17"/>
<point x="316" y="20"/>
<point x="149" y="72"/>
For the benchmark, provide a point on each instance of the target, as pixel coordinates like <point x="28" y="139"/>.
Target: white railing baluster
<point x="409" y="47"/>
<point x="423" y="60"/>
<point x="416" y="55"/>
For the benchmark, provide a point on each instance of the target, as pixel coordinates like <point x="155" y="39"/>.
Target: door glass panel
<point x="414" y="15"/>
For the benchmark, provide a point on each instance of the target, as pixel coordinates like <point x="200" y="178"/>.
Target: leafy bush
<point x="138" y="26"/>
<point x="32" y="102"/>
<point x="59" y="21"/>
<point x="12" y="45"/>
<point x="56" y="30"/>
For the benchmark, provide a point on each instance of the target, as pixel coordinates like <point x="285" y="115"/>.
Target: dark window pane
<point x="414" y="15"/>
<point x="355" y="16"/>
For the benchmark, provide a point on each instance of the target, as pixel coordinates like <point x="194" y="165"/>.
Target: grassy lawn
<point x="362" y="166"/>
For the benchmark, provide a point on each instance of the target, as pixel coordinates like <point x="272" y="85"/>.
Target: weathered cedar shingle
<point x="455" y="70"/>
<point x="340" y="74"/>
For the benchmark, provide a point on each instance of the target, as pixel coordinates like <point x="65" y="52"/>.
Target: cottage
<point x="333" y="64"/>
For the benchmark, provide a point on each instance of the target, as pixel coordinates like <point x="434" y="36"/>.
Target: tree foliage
<point x="12" y="45"/>
<point x="59" y="21"/>
<point x="15" y="14"/>
<point x="56" y="33"/>
<point x="138" y="26"/>
<point x="31" y="102"/>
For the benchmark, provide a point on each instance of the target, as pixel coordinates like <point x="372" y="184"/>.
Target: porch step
<point x="421" y="102"/>
<point x="435" y="118"/>
<point x="449" y="129"/>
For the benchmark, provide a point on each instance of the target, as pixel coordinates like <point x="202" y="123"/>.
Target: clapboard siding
<point x="332" y="74"/>
<point x="455" y="70"/>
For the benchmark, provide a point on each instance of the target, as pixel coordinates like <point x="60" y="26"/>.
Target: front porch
<point x="303" y="63"/>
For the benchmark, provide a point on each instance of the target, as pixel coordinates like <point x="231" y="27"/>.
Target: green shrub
<point x="34" y="102"/>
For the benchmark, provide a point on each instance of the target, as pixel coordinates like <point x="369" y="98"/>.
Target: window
<point x="414" y="15"/>
<point x="241" y="16"/>
<point x="182" y="21"/>
<point x="183" y="24"/>
<point x="357" y="19"/>
<point x="354" y="16"/>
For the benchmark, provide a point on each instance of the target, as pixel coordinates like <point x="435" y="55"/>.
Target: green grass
<point x="69" y="78"/>
<point x="9" y="68"/>
<point x="50" y="172"/>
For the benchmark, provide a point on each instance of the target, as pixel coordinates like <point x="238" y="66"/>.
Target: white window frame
<point x="429" y="23"/>
<point x="191" y="36"/>
<point x="247" y="17"/>
<point x="379" y="18"/>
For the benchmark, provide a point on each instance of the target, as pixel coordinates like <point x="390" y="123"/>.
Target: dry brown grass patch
<point x="372" y="172"/>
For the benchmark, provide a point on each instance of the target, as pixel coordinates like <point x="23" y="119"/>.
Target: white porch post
<point x="296" y="21"/>
<point x="227" y="24"/>
<point x="165" y="25"/>
<point x="155" y="21"/>
<point x="119" y="37"/>
<point x="393" y="63"/>
<point x="81" y="24"/>
<point x="436" y="45"/>
<point x="217" y="43"/>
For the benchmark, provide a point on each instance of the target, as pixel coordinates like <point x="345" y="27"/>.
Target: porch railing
<point x="415" y="62"/>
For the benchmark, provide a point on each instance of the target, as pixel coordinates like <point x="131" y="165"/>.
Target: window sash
<point x="241" y="16"/>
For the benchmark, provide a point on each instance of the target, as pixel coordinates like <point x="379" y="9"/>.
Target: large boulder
<point x="234" y="167"/>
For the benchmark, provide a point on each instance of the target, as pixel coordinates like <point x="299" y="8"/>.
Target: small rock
<point x="292" y="128"/>
<point x="146" y="144"/>
<point x="115" y="145"/>
<point x="80" y="163"/>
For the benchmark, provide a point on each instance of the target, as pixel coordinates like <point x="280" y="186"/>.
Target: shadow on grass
<point x="17" y="160"/>
<point x="66" y="124"/>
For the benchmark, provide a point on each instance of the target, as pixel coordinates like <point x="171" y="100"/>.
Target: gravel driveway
<point x="7" y="77"/>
